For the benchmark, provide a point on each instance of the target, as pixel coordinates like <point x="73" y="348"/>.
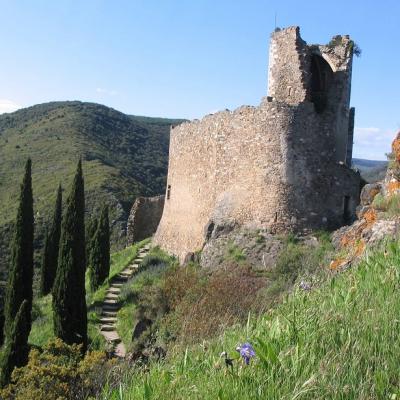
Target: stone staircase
<point x="111" y="304"/>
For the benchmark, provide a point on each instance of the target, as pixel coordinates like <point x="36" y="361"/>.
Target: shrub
<point x="59" y="373"/>
<point x="204" y="305"/>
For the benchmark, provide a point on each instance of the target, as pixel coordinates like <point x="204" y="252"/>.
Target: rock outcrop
<point x="144" y="218"/>
<point x="378" y="215"/>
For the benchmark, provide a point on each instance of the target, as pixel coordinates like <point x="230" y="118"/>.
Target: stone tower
<point x="281" y="166"/>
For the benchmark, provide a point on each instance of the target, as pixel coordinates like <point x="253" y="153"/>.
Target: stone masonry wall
<point x="144" y="218"/>
<point x="278" y="166"/>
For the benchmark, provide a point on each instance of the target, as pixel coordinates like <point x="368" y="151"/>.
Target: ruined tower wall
<point x="226" y="167"/>
<point x="279" y="166"/>
<point x="288" y="66"/>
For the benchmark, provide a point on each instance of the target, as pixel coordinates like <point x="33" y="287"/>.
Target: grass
<point x="337" y="341"/>
<point x="390" y="206"/>
<point x="42" y="315"/>
<point x="151" y="270"/>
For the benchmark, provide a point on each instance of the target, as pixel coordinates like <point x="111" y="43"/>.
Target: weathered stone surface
<point x="144" y="218"/>
<point x="368" y="193"/>
<point x="279" y="166"/>
<point x="259" y="248"/>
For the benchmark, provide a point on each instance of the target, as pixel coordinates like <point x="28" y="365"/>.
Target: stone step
<point x="109" y="314"/>
<point x="120" y="350"/>
<point x="115" y="290"/>
<point x="111" y="336"/>
<point x="111" y="296"/>
<point x="122" y="278"/>
<point x="107" y="328"/>
<point x="108" y="320"/>
<point x="110" y="302"/>
<point x="111" y="307"/>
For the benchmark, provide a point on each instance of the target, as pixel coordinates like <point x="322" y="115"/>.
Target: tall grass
<point x="338" y="341"/>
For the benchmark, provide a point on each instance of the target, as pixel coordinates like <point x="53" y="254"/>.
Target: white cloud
<point x="7" y="106"/>
<point x="106" y="91"/>
<point x="372" y="143"/>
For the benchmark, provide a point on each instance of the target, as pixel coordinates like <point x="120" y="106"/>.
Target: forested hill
<point x="123" y="156"/>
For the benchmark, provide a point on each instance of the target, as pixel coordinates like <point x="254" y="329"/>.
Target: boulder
<point x="368" y="193"/>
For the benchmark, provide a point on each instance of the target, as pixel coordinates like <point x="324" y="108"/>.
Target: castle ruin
<point x="282" y="166"/>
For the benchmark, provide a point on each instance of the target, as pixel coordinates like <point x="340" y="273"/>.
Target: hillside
<point x="371" y="170"/>
<point x="123" y="156"/>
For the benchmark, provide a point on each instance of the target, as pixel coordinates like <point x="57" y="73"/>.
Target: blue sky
<point x="188" y="58"/>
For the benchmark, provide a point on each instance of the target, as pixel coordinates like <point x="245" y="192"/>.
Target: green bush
<point x="59" y="373"/>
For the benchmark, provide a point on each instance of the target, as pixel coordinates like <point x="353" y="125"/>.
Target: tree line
<point x="67" y="251"/>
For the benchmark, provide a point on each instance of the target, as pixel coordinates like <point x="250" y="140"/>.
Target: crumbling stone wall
<point x="279" y="166"/>
<point x="144" y="218"/>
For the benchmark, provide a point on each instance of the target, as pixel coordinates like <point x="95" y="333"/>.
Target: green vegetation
<point x="124" y="156"/>
<point x="99" y="261"/>
<point x="18" y="304"/>
<point x="234" y="253"/>
<point x="16" y="349"/>
<point x="69" y="300"/>
<point x="141" y="297"/>
<point x="337" y="341"/>
<point x="51" y="248"/>
<point x="58" y="372"/>
<point x="389" y="205"/>
<point x="19" y="286"/>
<point x="42" y="326"/>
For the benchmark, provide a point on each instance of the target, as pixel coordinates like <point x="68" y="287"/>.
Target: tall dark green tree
<point x="69" y="304"/>
<point x="91" y="227"/>
<point x="104" y="228"/>
<point x="51" y="248"/>
<point x="16" y="349"/>
<point x="100" y="251"/>
<point x="1" y="325"/>
<point x="20" y="276"/>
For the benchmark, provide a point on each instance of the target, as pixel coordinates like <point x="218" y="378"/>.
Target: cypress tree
<point x="20" y="277"/>
<point x="16" y="349"/>
<point x="51" y="248"/>
<point x="1" y="326"/>
<point x="100" y="251"/>
<point x="95" y="262"/>
<point x="90" y="232"/>
<point x="69" y="304"/>
<point x="104" y="227"/>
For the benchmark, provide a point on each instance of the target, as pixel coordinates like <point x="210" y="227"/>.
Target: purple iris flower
<point x="246" y="351"/>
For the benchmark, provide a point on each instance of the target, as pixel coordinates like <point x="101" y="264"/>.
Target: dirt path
<point x="111" y="305"/>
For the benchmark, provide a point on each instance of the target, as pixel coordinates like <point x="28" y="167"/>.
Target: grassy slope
<point x="339" y="341"/>
<point x="42" y="328"/>
<point x="124" y="156"/>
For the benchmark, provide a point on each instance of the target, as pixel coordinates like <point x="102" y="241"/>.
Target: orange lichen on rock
<point x="396" y="147"/>
<point x="360" y="247"/>
<point x="393" y="187"/>
<point x="338" y="264"/>
<point x="370" y="217"/>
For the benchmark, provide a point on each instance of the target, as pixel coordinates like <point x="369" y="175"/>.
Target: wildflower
<point x="246" y="351"/>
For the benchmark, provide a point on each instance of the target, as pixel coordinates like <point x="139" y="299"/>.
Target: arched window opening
<point x="321" y="79"/>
